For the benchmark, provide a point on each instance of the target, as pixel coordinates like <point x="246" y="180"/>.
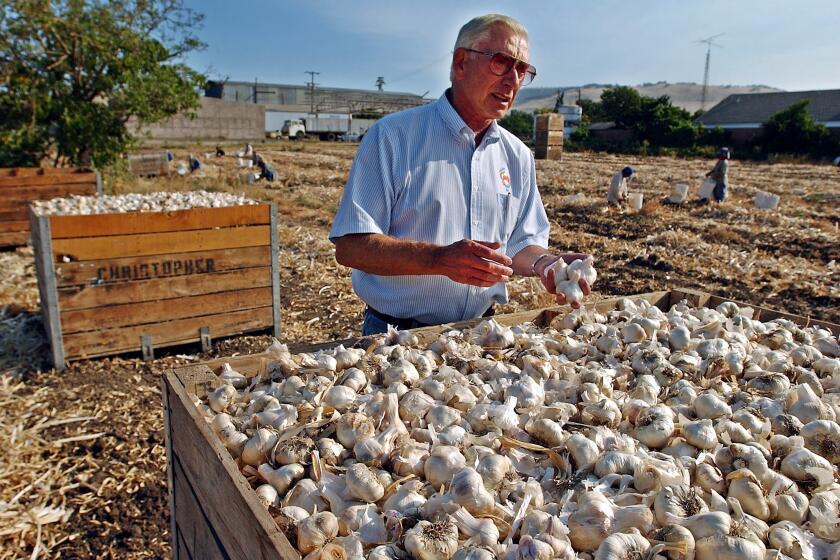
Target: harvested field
<point x="84" y="475"/>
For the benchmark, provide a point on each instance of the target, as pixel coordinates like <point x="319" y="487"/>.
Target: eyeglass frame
<point x="532" y="70"/>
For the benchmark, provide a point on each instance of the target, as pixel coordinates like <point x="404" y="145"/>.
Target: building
<point x="283" y="101"/>
<point x="743" y="114"/>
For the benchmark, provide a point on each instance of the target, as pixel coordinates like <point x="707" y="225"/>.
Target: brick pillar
<point x="548" y="136"/>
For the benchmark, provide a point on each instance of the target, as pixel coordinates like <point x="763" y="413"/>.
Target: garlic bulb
<point x="622" y="545"/>
<point x="231" y="377"/>
<point x="281" y="479"/>
<point x="467" y="490"/>
<point x="353" y="427"/>
<point x="220" y="399"/>
<point x="443" y="462"/>
<point x="362" y="484"/>
<point x="432" y="541"/>
<point x="267" y="495"/>
<point x="479" y="532"/>
<point x="316" y="531"/>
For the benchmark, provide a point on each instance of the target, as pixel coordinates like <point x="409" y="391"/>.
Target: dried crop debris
<point x="108" y="492"/>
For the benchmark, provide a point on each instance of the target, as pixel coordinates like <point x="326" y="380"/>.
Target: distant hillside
<point x="685" y="95"/>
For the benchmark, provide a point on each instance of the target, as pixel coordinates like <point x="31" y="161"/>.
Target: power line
<point x="311" y="84"/>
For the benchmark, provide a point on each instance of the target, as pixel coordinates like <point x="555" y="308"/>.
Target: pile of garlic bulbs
<point x="136" y="202"/>
<point x="637" y="433"/>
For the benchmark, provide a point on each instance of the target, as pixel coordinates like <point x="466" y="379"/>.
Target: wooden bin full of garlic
<point x="599" y="437"/>
<point x="136" y="272"/>
<point x="21" y="185"/>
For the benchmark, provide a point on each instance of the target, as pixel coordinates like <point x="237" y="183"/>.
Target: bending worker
<point x="618" y="187"/>
<point x="720" y="175"/>
<point x="441" y="206"/>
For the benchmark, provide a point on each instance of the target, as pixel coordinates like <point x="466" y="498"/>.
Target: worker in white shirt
<point x="618" y="187"/>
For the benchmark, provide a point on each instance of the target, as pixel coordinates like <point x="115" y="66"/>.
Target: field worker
<point x="219" y="151"/>
<point x="195" y="163"/>
<point x="441" y="206"/>
<point x="618" y="187"/>
<point x="720" y="175"/>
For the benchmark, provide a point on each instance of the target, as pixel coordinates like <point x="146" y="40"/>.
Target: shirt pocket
<point x="507" y="205"/>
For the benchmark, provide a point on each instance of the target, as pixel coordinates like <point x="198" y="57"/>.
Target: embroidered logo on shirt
<point x="505" y="177"/>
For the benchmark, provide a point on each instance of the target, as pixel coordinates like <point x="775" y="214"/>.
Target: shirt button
<point x="475" y="222"/>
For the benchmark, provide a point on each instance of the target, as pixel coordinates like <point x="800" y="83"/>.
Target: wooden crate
<point x="548" y="136"/>
<point x="213" y="511"/>
<point x="21" y="185"/>
<point x="114" y="283"/>
<point x="149" y="165"/>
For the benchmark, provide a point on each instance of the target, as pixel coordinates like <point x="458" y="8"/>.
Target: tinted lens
<point x="501" y="63"/>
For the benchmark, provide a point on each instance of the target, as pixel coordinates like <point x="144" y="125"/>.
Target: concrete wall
<point x="216" y="120"/>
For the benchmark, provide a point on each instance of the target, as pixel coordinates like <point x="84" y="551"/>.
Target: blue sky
<point x="793" y="45"/>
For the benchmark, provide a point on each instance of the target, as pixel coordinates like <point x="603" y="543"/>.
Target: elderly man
<point x="441" y="206"/>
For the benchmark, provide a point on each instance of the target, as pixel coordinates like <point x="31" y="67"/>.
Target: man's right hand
<point x="476" y="263"/>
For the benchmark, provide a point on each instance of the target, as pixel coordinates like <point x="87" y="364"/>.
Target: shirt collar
<point x="457" y="125"/>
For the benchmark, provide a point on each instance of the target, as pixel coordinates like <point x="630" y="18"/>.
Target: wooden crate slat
<point x="127" y="339"/>
<point x="243" y="526"/>
<point x="14" y="199"/>
<point x="47" y="179"/>
<point x="162" y="288"/>
<point x="97" y="272"/>
<point x="13" y="239"/>
<point x="90" y="248"/>
<point x="15" y="215"/>
<point x="196" y="535"/>
<point x="32" y="171"/>
<point x="14" y="225"/>
<point x="129" y="314"/>
<point x="156" y="222"/>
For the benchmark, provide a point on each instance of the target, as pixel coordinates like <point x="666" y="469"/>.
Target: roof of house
<point x="746" y="108"/>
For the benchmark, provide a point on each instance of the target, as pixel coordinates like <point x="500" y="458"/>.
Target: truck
<point x="325" y="128"/>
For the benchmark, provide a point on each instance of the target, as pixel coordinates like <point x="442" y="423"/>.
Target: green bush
<point x="793" y="131"/>
<point x="519" y="123"/>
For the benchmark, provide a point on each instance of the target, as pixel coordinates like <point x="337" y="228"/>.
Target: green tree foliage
<point x="73" y="72"/>
<point x="519" y="123"/>
<point x="622" y="105"/>
<point x="793" y="131"/>
<point x="593" y="111"/>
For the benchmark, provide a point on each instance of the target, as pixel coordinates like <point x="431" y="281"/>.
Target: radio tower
<point x="709" y="42"/>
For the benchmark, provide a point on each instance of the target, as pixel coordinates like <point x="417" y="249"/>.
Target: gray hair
<point x="479" y="27"/>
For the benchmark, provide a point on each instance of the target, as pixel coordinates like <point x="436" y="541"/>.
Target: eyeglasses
<point x="501" y="64"/>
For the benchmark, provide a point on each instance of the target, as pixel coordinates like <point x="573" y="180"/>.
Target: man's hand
<point x="473" y="262"/>
<point x="547" y="276"/>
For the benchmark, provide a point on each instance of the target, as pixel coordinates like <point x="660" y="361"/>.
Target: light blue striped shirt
<point x="418" y="175"/>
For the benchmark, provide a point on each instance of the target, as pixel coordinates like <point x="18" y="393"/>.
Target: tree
<point x="622" y="105"/>
<point x="793" y="131"/>
<point x="73" y="72"/>
<point x="519" y="123"/>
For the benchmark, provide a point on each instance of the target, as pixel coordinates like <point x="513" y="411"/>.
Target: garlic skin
<point x="432" y="541"/>
<point x="479" y="532"/>
<point x="622" y="545"/>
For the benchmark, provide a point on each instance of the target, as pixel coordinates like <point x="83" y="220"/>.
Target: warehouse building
<point x="283" y="102"/>
<point x="742" y="115"/>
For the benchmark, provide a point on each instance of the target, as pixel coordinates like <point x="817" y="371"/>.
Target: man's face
<point x="489" y="96"/>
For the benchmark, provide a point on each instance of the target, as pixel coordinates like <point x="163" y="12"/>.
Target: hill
<point x="685" y="95"/>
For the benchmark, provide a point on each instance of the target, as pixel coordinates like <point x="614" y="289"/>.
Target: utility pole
<point x="311" y="83"/>
<point x="708" y="41"/>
